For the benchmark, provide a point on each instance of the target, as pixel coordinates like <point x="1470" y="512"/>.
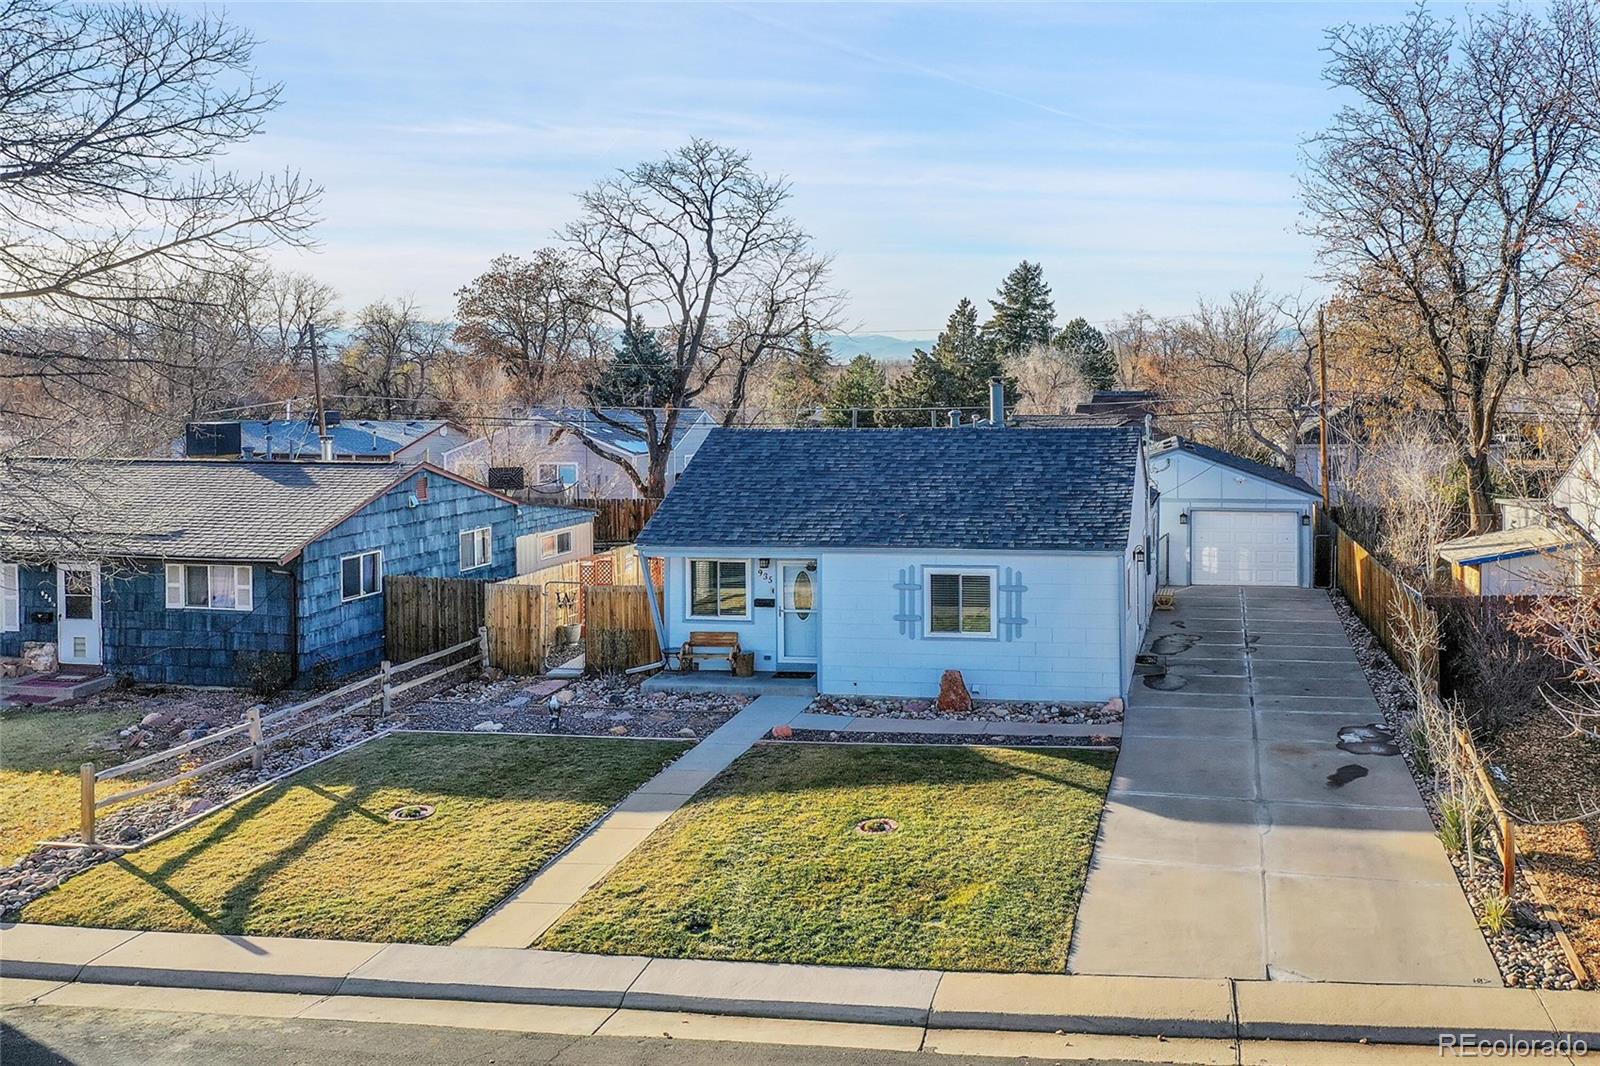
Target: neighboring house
<point x="1226" y="520"/>
<point x="1528" y="560"/>
<point x="553" y="448"/>
<point x="366" y="439"/>
<point x="879" y="559"/>
<point x="1577" y="491"/>
<point x="194" y="572"/>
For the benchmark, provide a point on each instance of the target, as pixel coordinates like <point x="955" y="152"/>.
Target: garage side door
<point x="1246" y="548"/>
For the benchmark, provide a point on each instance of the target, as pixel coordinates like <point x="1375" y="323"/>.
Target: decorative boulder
<point x="953" y="695"/>
<point x="1114" y="705"/>
<point x="39" y="657"/>
<point x="782" y="732"/>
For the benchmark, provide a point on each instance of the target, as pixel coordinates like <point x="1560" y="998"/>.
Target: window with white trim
<point x="719" y="588"/>
<point x="477" y="547"/>
<point x="10" y="598"/>
<point x="210" y="587"/>
<point x="360" y="575"/>
<point x="960" y="603"/>
<point x="565" y="473"/>
<point x="556" y="543"/>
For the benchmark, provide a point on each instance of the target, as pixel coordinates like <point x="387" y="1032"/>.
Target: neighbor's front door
<point x="78" y="613"/>
<point x="797" y="613"/>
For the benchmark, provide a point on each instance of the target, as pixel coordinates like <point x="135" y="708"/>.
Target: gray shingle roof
<point x="368" y="438"/>
<point x="1047" y="489"/>
<point x="180" y="508"/>
<point x="1239" y="463"/>
<point x="1074" y="421"/>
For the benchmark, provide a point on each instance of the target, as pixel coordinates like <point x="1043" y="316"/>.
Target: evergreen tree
<point x="1090" y="352"/>
<point x="861" y="386"/>
<point x="640" y="373"/>
<point x="954" y="375"/>
<point x="1024" y="314"/>
<point x="800" y="382"/>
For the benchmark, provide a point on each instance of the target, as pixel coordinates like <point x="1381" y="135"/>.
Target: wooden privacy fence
<point x="424" y="614"/>
<point x="619" y="521"/>
<point x="619" y="633"/>
<point x="519" y="636"/>
<point x="1392" y="609"/>
<point x="380" y="689"/>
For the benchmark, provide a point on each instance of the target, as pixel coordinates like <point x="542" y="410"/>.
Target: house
<point x="194" y="572"/>
<point x="1528" y="560"/>
<point x="878" y="559"/>
<point x="376" y="440"/>
<point x="1227" y="520"/>
<point x="1577" y="491"/>
<point x="576" y="452"/>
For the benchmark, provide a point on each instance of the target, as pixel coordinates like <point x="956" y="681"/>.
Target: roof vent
<point x="997" y="402"/>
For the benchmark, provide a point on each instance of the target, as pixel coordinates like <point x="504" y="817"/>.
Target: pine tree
<point x="1024" y="314"/>
<point x="1088" y="349"/>
<point x="640" y="373"/>
<point x="861" y="387"/>
<point x="800" y="383"/>
<point x="955" y="374"/>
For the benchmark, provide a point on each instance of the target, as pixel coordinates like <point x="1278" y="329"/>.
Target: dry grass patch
<point x="40" y="752"/>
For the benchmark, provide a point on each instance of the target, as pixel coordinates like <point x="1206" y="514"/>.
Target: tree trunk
<point x="1480" y="492"/>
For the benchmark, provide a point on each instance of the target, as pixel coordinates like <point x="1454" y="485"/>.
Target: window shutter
<point x="466" y="550"/>
<point x="174" y="585"/>
<point x="243" y="588"/>
<point x="10" y="598"/>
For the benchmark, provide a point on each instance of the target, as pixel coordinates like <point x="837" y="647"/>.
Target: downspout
<point x="294" y="623"/>
<point x="655" y="604"/>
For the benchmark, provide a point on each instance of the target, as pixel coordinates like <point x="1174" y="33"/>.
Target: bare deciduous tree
<point x="393" y="350"/>
<point x="534" y="316"/>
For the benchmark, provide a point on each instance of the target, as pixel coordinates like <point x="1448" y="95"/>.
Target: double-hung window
<point x="565" y="473"/>
<point x="210" y="586"/>
<point x="556" y="543"/>
<point x="960" y="603"/>
<point x="719" y="588"/>
<point x="360" y="575"/>
<point x="10" y="598"/>
<point x="477" y="547"/>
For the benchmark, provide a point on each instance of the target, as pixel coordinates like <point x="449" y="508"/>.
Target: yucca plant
<point x="1496" y="913"/>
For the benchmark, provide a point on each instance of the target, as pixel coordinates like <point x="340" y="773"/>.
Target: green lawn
<point x="984" y="873"/>
<point x="40" y="752"/>
<point x="318" y="856"/>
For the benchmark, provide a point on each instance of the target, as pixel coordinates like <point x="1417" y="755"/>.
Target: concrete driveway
<point x="1239" y="840"/>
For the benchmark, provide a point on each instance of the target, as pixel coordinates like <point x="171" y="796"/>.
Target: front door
<point x="78" y="613"/>
<point x="797" y="613"/>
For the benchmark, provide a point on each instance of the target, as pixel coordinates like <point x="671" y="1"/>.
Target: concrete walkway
<point x="528" y="912"/>
<point x="1240" y="841"/>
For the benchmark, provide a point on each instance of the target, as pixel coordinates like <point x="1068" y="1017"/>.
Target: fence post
<point x="86" y="801"/>
<point x="253" y="717"/>
<point x="483" y="648"/>
<point x="386" y="674"/>
<point x="1508" y="856"/>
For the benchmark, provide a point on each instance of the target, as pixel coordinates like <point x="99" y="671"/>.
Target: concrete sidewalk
<point x="524" y="916"/>
<point x="79" y="963"/>
<point x="1240" y="841"/>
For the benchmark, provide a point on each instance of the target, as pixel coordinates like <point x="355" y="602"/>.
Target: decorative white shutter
<point x="10" y="598"/>
<point x="243" y="589"/>
<point x="174" y="585"/>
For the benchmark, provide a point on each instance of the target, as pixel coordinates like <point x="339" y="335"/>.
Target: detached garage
<point x="1227" y="520"/>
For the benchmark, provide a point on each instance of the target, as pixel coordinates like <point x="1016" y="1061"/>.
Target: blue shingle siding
<point x="147" y="640"/>
<point x="338" y="637"/>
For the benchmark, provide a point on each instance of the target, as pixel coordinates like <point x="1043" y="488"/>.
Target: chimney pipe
<point x="955" y="419"/>
<point x="327" y="448"/>
<point x="997" y="403"/>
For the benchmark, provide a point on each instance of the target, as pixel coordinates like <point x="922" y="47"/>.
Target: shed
<point x="1528" y="560"/>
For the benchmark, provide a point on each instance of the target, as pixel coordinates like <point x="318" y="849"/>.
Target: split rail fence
<point x="379" y="689"/>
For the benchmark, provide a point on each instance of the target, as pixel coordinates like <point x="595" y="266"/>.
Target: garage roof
<point x="1235" y="462"/>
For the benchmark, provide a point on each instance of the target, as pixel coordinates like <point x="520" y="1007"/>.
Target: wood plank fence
<point x="423" y="614"/>
<point x="619" y="521"/>
<point x="1392" y="609"/>
<point x="620" y="632"/>
<point x="514" y="615"/>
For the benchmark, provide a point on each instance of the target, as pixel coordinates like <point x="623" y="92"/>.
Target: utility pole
<point x="1322" y="404"/>
<point x="325" y="451"/>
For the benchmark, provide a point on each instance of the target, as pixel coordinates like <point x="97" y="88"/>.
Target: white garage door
<point x="1246" y="548"/>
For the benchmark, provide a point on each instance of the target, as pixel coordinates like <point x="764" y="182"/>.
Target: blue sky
<point x="1144" y="153"/>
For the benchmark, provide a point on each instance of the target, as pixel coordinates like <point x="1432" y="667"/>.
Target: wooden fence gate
<point x="514" y="616"/>
<point x="619" y="633"/>
<point x="423" y="614"/>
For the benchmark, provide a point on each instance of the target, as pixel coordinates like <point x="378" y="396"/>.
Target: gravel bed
<point x="993" y="710"/>
<point x="1526" y="948"/>
<point x="816" y="736"/>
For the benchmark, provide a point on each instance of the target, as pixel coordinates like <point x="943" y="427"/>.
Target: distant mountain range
<point x="846" y="346"/>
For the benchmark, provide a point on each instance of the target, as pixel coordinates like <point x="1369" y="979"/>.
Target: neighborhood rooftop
<point x="186" y="508"/>
<point x="601" y="432"/>
<point x="1045" y="490"/>
<point x="1504" y="544"/>
<point x="362" y="438"/>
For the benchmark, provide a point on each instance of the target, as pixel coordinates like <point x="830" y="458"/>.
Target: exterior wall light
<point x="1183" y="518"/>
<point x="1305" y="520"/>
<point x="1138" y="554"/>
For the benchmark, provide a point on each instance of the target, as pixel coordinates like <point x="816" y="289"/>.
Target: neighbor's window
<point x="212" y="586"/>
<point x="477" y="547"/>
<point x="961" y="603"/>
<point x="361" y="575"/>
<point x="556" y="543"/>
<point x="565" y="473"/>
<point x="719" y="588"/>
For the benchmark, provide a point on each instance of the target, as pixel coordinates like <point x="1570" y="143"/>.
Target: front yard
<point x="319" y="856"/>
<point x="40" y="752"/>
<point x="984" y="871"/>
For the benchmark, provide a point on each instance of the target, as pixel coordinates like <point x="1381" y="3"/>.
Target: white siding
<point x="1578" y="491"/>
<point x="1526" y="575"/>
<point x="1189" y="483"/>
<point x="531" y="556"/>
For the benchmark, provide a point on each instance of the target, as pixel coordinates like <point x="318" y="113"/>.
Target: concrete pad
<point x="562" y="882"/>
<point x="1312" y="727"/>
<point x="1078" y="1047"/>
<point x="1140" y="696"/>
<point x="235" y="963"/>
<point x="1345" y="687"/>
<point x="1186" y="722"/>
<point x="827" y="722"/>
<point x="20" y="991"/>
<point x="500" y="975"/>
<point x="54" y="952"/>
<point x="1575" y="1014"/>
<point x="637" y="819"/>
<point x="1078" y="1003"/>
<point x="1300" y="653"/>
<point x="1181" y="829"/>
<point x="517" y="924"/>
<point x="1187" y="767"/>
<point x="650" y="803"/>
<point x="1307" y="772"/>
<point x="1197" y="682"/>
<point x="772" y="990"/>
<point x="1362" y="710"/>
<point x="1270" y="637"/>
<point x="1342" y="929"/>
<point x="461" y="1014"/>
<point x="180" y="1000"/>
<point x="713" y="756"/>
<point x="674" y="782"/>
<point x="1154" y="920"/>
<point x="680" y="1026"/>
<point x="606" y="846"/>
<point x="1280" y="670"/>
<point x="1300" y="1010"/>
<point x="1219" y="665"/>
<point x="1381" y="843"/>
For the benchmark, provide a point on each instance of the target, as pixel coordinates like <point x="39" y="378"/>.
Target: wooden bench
<point x="708" y="645"/>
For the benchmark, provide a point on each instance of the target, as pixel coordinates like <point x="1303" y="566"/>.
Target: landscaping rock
<point x="487" y="727"/>
<point x="953" y="695"/>
<point x="618" y="731"/>
<point x="156" y="720"/>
